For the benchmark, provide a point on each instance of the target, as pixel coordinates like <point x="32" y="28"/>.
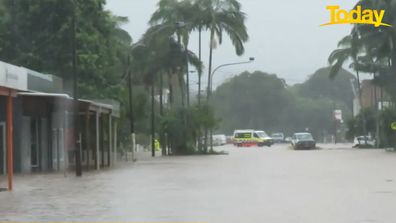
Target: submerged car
<point x="303" y="140"/>
<point x="363" y="142"/>
<point x="278" y="137"/>
<point x="219" y="140"/>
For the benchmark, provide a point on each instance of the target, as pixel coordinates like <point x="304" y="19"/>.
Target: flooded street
<point x="249" y="185"/>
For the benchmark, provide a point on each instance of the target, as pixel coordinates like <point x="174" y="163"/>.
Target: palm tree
<point x="167" y="51"/>
<point x="162" y="56"/>
<point x="371" y="49"/>
<point x="219" y="16"/>
<point x="177" y="15"/>
<point x="349" y="49"/>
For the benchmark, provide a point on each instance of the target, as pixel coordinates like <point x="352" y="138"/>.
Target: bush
<point x="184" y="126"/>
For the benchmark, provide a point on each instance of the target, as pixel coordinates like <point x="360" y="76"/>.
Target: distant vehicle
<point x="363" y="142"/>
<point x="278" y="137"/>
<point x="268" y="141"/>
<point x="303" y="140"/>
<point x="219" y="140"/>
<point x="251" y="137"/>
<point x="288" y="139"/>
<point x="229" y="139"/>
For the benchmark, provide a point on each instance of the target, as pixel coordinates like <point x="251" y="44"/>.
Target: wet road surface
<point x="249" y="185"/>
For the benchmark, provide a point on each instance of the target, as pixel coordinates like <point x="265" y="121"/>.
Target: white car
<point x="363" y="141"/>
<point x="219" y="140"/>
<point x="278" y="137"/>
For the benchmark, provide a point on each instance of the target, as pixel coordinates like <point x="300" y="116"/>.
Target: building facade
<point x="37" y="128"/>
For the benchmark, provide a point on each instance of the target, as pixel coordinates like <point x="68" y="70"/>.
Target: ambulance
<point x="250" y="137"/>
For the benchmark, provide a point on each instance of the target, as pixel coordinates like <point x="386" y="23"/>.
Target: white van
<point x="219" y="140"/>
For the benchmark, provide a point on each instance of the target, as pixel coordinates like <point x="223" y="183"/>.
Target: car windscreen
<point x="304" y="137"/>
<point x="262" y="134"/>
<point x="243" y="135"/>
<point x="277" y="135"/>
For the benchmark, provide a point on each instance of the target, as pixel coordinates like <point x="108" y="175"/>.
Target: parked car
<point x="303" y="140"/>
<point x="278" y="137"/>
<point x="363" y="142"/>
<point x="230" y="139"/>
<point x="219" y="140"/>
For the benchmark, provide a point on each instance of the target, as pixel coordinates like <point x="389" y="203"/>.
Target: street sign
<point x="393" y="126"/>
<point x="338" y="115"/>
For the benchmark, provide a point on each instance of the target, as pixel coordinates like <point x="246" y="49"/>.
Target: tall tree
<point x="43" y="31"/>
<point x="177" y="15"/>
<point x="372" y="48"/>
<point x="219" y="17"/>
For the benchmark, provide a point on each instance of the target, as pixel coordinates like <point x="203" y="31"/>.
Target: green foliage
<point x="388" y="136"/>
<point x="219" y="17"/>
<point x="183" y="126"/>
<point x="38" y="35"/>
<point x="250" y="100"/>
<point x="318" y="86"/>
<point x="371" y="49"/>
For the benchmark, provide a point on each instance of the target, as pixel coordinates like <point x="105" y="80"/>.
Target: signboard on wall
<point x="13" y="77"/>
<point x="338" y="115"/>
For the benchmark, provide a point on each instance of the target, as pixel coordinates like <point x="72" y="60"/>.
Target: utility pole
<point x="187" y="79"/>
<point x="131" y="115"/>
<point x="77" y="139"/>
<point x="152" y="121"/>
<point x="200" y="70"/>
<point x="210" y="81"/>
<point x="376" y="104"/>
<point x="335" y="122"/>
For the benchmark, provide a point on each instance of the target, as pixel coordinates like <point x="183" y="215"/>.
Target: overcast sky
<point x="285" y="36"/>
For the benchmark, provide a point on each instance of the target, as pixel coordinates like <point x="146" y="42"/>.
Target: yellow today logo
<point x="355" y="16"/>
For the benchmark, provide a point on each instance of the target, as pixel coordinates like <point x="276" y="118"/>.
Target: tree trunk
<point x="182" y="88"/>
<point x="209" y="84"/>
<point x="209" y="93"/>
<point x="199" y="82"/>
<point x="170" y="90"/>
<point x="162" y="138"/>
<point x="152" y="121"/>
<point x="200" y="59"/>
<point x="187" y="78"/>
<point x="180" y="74"/>
<point x="361" y="107"/>
<point x="377" y="137"/>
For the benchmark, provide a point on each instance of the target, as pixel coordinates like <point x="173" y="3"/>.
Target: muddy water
<point x="249" y="185"/>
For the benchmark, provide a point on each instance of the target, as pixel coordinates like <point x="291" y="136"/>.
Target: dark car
<point x="303" y="140"/>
